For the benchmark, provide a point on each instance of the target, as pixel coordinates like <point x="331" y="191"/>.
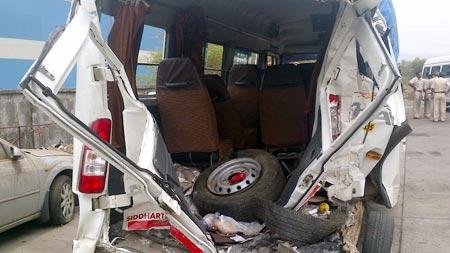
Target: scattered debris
<point x="351" y="230"/>
<point x="60" y="146"/>
<point x="228" y="226"/>
<point x="321" y="211"/>
<point x="187" y="177"/>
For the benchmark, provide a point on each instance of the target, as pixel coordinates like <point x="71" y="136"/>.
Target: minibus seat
<point x="187" y="115"/>
<point x="306" y="70"/>
<point x="243" y="87"/>
<point x="228" y="121"/>
<point x="282" y="102"/>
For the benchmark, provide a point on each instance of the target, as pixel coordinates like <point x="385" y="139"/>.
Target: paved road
<point x="422" y="216"/>
<point x="33" y="238"/>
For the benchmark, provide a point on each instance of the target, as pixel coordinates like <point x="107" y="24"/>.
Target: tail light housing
<point x="93" y="168"/>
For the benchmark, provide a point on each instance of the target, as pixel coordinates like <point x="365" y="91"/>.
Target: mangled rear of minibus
<point x="353" y="124"/>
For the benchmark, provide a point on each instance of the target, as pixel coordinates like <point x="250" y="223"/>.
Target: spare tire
<point x="299" y="227"/>
<point x="234" y="187"/>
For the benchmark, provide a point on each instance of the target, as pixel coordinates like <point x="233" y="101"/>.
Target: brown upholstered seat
<point x="282" y="101"/>
<point x="187" y="114"/>
<point x="244" y="91"/>
<point x="228" y="121"/>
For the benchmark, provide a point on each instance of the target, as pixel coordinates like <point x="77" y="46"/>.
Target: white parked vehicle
<point x="435" y="65"/>
<point x="352" y="133"/>
<point x="35" y="184"/>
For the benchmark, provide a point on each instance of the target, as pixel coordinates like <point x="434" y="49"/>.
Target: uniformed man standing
<point x="428" y="99"/>
<point x="440" y="87"/>
<point x="417" y="83"/>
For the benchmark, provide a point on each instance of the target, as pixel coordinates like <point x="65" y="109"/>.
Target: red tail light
<point x="92" y="167"/>
<point x="335" y="111"/>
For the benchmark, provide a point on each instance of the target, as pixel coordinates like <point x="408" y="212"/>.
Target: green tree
<point x="214" y="56"/>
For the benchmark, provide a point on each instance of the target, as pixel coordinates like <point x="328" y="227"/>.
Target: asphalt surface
<point x="422" y="216"/>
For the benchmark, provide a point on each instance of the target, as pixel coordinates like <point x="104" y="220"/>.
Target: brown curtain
<point x="190" y="35"/>
<point x="124" y="40"/>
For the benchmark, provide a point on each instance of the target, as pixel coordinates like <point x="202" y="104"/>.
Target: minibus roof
<point x="438" y="60"/>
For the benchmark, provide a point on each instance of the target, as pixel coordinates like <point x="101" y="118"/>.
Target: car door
<point x="19" y="186"/>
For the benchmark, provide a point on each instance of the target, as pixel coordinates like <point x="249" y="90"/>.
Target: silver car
<point x="34" y="184"/>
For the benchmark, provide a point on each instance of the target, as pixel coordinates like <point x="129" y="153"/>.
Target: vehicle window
<point x="151" y="53"/>
<point x="245" y="57"/>
<point x="269" y="60"/>
<point x="213" y="59"/>
<point x="435" y="69"/>
<point x="426" y="72"/>
<point x="446" y="70"/>
<point x="299" y="58"/>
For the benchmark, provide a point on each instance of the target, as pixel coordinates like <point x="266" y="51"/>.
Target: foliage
<point x="214" y="55"/>
<point x="146" y="74"/>
<point x="410" y="68"/>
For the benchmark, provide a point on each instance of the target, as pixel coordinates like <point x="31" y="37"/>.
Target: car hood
<point x="45" y="152"/>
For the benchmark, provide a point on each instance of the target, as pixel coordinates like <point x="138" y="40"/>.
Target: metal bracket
<point x="111" y="202"/>
<point x="102" y="73"/>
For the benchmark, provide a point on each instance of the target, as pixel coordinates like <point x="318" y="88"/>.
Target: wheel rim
<point x="67" y="201"/>
<point x="234" y="176"/>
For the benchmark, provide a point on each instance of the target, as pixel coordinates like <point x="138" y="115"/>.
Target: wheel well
<point x="45" y="215"/>
<point x="67" y="172"/>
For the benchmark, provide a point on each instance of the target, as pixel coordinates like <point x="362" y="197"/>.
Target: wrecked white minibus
<point x="306" y="108"/>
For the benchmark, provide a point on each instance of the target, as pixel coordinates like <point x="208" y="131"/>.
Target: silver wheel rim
<point x="234" y="176"/>
<point x="67" y="201"/>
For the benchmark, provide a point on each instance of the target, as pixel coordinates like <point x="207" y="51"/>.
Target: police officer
<point x="428" y="99"/>
<point x="440" y="87"/>
<point x="417" y="83"/>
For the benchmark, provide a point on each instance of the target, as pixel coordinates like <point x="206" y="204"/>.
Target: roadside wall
<point x="26" y="126"/>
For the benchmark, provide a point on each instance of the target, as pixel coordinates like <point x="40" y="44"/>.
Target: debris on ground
<point x="228" y="226"/>
<point x="61" y="147"/>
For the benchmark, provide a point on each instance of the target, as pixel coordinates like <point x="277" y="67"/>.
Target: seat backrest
<point x="187" y="114"/>
<point x="216" y="88"/>
<point x="282" y="102"/>
<point x="243" y="87"/>
<point x="306" y="70"/>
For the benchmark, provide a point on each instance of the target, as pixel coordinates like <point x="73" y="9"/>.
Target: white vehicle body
<point x="439" y="64"/>
<point x="368" y="124"/>
<point x="436" y="64"/>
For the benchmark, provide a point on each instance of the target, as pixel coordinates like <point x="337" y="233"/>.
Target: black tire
<point x="379" y="233"/>
<point x="241" y="205"/>
<point x="299" y="227"/>
<point x="57" y="195"/>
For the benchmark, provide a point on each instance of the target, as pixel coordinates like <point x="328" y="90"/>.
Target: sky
<point x="424" y="28"/>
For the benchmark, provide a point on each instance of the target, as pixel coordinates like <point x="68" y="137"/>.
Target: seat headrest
<point x="177" y="73"/>
<point x="282" y="75"/>
<point x="244" y="75"/>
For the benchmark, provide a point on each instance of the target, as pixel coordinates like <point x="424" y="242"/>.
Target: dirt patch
<point x="414" y="153"/>
<point x="435" y="153"/>
<point x="419" y="134"/>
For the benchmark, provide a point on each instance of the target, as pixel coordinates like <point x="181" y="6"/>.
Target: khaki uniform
<point x="440" y="87"/>
<point x="418" y="84"/>
<point x="428" y="100"/>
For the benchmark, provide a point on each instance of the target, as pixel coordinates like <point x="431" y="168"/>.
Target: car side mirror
<point x="15" y="153"/>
